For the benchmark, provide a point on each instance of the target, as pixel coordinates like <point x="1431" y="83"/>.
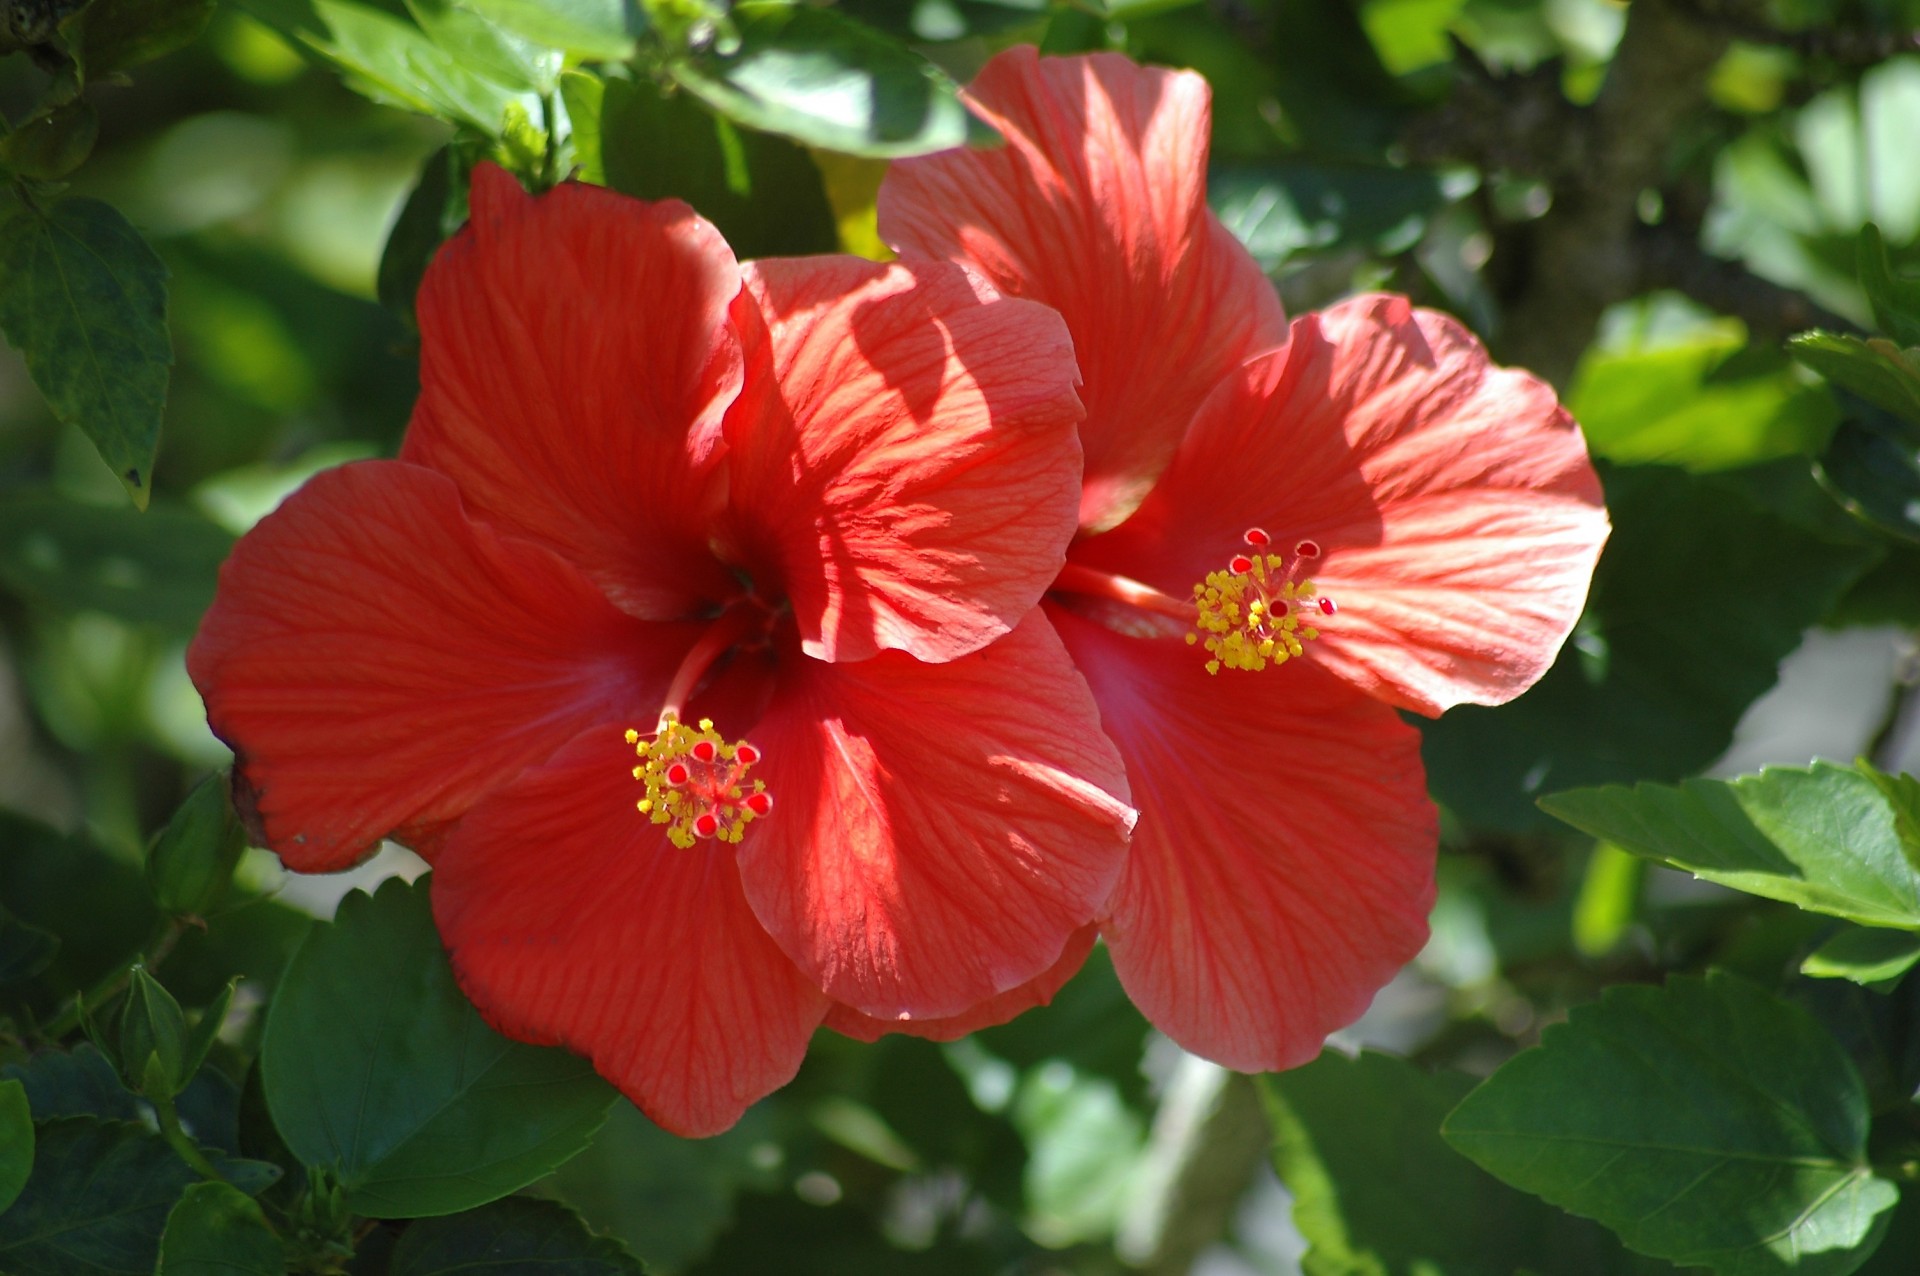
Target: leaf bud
<point x="190" y="864"/>
<point x="153" y="1038"/>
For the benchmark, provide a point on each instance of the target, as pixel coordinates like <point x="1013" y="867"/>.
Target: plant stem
<point x="178" y="1138"/>
<point x="110" y="986"/>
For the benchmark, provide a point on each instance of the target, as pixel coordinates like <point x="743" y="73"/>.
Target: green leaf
<point x="1876" y="369"/>
<point x="825" y="80"/>
<point x="542" y="1238"/>
<point x="112" y="35"/>
<point x="479" y="44"/>
<point x="190" y="864"/>
<point x="435" y="209"/>
<point x="763" y="192"/>
<point x="95" y="1203"/>
<point x="25" y="950"/>
<point x="97" y="904"/>
<point x="85" y="300"/>
<point x="1283" y="208"/>
<point x="1895" y="299"/>
<point x="16" y="1141"/>
<point x="1874" y="472"/>
<point x="1707" y="403"/>
<point x="387" y="59"/>
<point x="156" y="568"/>
<point x="598" y="30"/>
<point x="1376" y="1192"/>
<point x="1706" y="1122"/>
<point x="1826" y="839"/>
<point x="80" y="1082"/>
<point x="217" y="1230"/>
<point x="1876" y="958"/>
<point x="199" y="1042"/>
<point x="584" y="95"/>
<point x="377" y="1068"/>
<point x="1686" y="627"/>
<point x="53" y="143"/>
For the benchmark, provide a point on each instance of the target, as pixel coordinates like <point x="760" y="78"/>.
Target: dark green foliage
<point x="378" y="1069"/>
<point x="84" y="298"/>
<point x="1707" y="1122"/>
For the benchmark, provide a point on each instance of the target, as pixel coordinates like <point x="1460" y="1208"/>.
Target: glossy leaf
<point x="1874" y="472"/>
<point x="1707" y="403"/>
<point x="155" y="568"/>
<point x="1864" y="955"/>
<point x="1827" y="839"/>
<point x="762" y="191"/>
<point x="600" y="30"/>
<point x="85" y="300"/>
<point x="16" y="1141"/>
<point x="540" y="1238"/>
<point x="387" y="59"/>
<point x="1706" y="1122"/>
<point x="1376" y="1192"/>
<point x="1876" y="370"/>
<point x="1280" y="209"/>
<point x="95" y="1203"/>
<point x="825" y="80"/>
<point x="378" y="1069"/>
<point x="217" y="1230"/>
<point x="1895" y="298"/>
<point x="1686" y="626"/>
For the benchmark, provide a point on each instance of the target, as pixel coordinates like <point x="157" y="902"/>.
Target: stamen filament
<point x="1075" y="579"/>
<point x="728" y="629"/>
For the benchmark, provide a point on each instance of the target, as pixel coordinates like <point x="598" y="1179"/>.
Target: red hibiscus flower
<point x="651" y="505"/>
<point x="1241" y="478"/>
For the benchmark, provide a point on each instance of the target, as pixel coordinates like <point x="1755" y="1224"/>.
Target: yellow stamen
<point x="693" y="782"/>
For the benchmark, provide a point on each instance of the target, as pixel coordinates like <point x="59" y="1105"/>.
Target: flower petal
<point x="942" y="830"/>
<point x="1097" y="207"/>
<point x="378" y="660"/>
<point x="576" y="360"/>
<point x="1038" y="991"/>
<point x="571" y="920"/>
<point x="1458" y="513"/>
<point x="1283" y="865"/>
<point x="904" y="455"/>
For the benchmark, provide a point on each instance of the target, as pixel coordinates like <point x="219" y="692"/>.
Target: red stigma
<point x="760" y="803"/>
<point x="745" y="754"/>
<point x="677" y="774"/>
<point x="1326" y="607"/>
<point x="1258" y="538"/>
<point x="1240" y="565"/>
<point x="706" y="824"/>
<point x="704" y="750"/>
<point x="1307" y="549"/>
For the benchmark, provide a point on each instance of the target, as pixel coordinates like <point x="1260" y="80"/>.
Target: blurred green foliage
<point x="245" y="198"/>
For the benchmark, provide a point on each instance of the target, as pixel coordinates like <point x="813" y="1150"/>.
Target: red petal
<point x="1038" y="991"/>
<point x="377" y="660"/>
<point x="904" y="454"/>
<point x="940" y="830"/>
<point x="572" y="920"/>
<point x="1283" y="865"/>
<point x="1097" y="207"/>
<point x="1458" y="516"/>
<point x="576" y="360"/>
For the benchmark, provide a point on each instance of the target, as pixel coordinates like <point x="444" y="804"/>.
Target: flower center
<point x="1255" y="612"/>
<point x="696" y="782"/>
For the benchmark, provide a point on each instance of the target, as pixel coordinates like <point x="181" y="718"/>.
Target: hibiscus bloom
<point x="653" y="504"/>
<point x="1242" y="478"/>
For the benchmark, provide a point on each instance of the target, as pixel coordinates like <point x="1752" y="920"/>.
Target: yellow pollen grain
<point x="680" y="806"/>
<point x="1237" y="620"/>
